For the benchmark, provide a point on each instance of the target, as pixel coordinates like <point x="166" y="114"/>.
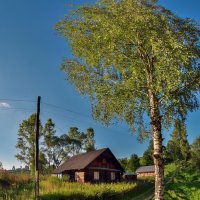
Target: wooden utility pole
<point x="37" y="150"/>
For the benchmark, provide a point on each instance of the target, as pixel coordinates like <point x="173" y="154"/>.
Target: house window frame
<point x="112" y="176"/>
<point x="59" y="176"/>
<point x="76" y="176"/>
<point x="96" y="175"/>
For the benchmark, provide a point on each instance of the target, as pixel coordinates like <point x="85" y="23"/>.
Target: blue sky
<point x="30" y="57"/>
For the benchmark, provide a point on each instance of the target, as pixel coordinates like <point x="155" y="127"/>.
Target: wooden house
<point x="146" y="171"/>
<point x="95" y="166"/>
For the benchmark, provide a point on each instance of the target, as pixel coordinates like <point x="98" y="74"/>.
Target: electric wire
<point x="62" y="116"/>
<point x="62" y="108"/>
<point x="18" y="100"/>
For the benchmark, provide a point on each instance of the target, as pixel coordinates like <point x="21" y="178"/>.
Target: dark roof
<point x="144" y="169"/>
<point x="81" y="161"/>
<point x="129" y="174"/>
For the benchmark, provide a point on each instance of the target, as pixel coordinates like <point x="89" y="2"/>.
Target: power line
<point x="62" y="108"/>
<point x="45" y="103"/>
<point x="63" y="116"/>
<point x="16" y="109"/>
<point x="19" y="100"/>
<point x="70" y="119"/>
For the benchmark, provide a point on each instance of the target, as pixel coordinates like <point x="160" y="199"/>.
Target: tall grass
<point x="13" y="185"/>
<point x="53" y="188"/>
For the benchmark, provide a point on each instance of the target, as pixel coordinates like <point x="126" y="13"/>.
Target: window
<point x="76" y="176"/>
<point x="112" y="176"/>
<point x="59" y="175"/>
<point x="104" y="161"/>
<point x="96" y="175"/>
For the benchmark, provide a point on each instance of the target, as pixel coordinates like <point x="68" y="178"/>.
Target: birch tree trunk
<point x="157" y="142"/>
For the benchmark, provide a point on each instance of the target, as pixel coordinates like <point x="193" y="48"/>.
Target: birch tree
<point x="133" y="59"/>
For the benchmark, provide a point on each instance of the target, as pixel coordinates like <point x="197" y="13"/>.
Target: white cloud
<point x="4" y="105"/>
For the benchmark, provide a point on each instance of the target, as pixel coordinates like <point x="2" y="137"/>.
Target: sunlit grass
<point x="53" y="188"/>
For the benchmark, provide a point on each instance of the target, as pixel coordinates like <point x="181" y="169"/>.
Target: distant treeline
<point x="177" y="150"/>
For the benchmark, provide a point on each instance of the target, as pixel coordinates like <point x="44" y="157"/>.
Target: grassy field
<point x="21" y="187"/>
<point x="181" y="184"/>
<point x="55" y="189"/>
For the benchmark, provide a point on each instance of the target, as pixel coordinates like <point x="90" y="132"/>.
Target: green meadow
<point x="182" y="183"/>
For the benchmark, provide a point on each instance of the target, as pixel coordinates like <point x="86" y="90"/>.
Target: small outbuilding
<point x="95" y="166"/>
<point x="130" y="177"/>
<point x="146" y="171"/>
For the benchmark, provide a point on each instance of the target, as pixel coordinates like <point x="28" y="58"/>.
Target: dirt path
<point x="147" y="195"/>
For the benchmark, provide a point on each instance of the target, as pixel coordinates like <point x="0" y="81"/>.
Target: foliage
<point x="147" y="158"/>
<point x="1" y="165"/>
<point x="195" y="154"/>
<point x="123" y="162"/>
<point x="111" y="59"/>
<point x="133" y="163"/>
<point x="26" y="142"/>
<point x="178" y="147"/>
<point x="49" y="142"/>
<point x="184" y="185"/>
<point x="76" y="141"/>
<point x="89" y="140"/>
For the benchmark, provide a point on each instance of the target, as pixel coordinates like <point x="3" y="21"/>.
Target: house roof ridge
<point x="80" y="161"/>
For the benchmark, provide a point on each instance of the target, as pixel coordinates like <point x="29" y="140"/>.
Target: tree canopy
<point x="147" y="158"/>
<point x="114" y="43"/>
<point x="195" y="153"/>
<point x="178" y="147"/>
<point x="133" y="163"/>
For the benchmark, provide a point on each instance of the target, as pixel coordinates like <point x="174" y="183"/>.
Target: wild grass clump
<point x="15" y="186"/>
<point x="14" y="179"/>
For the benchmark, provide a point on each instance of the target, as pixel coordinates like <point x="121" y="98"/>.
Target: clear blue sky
<point x="30" y="57"/>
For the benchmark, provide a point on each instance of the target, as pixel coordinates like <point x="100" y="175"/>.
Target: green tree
<point x="195" y="153"/>
<point x="43" y="163"/>
<point x="62" y="148"/>
<point x="1" y="165"/>
<point x="26" y="142"/>
<point x="76" y="141"/>
<point x="134" y="58"/>
<point x="123" y="162"/>
<point x="89" y="140"/>
<point x="49" y="141"/>
<point x="178" y="148"/>
<point x="133" y="163"/>
<point x="147" y="158"/>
